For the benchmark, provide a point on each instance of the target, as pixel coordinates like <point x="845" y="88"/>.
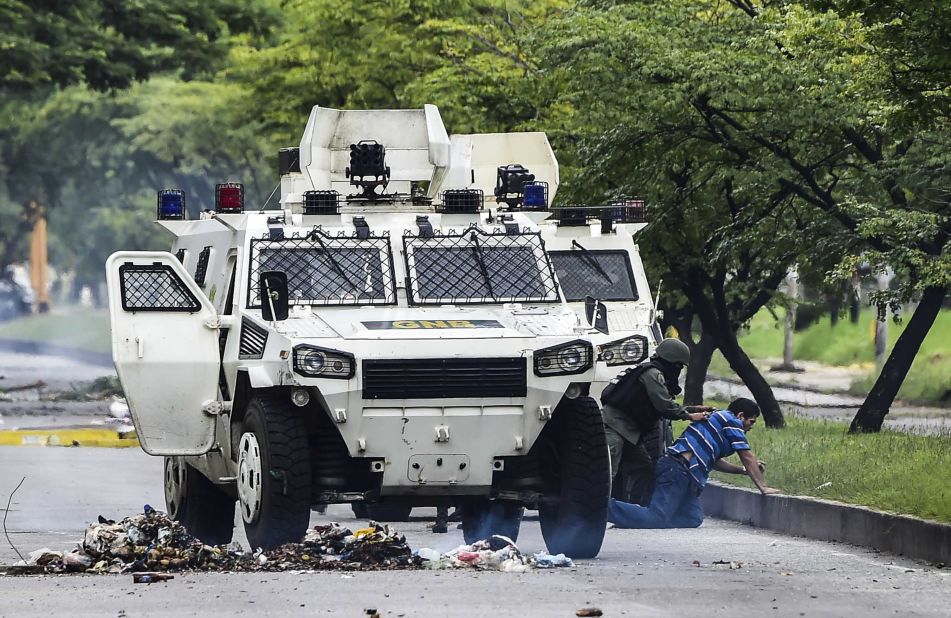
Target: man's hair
<point x="744" y="406"/>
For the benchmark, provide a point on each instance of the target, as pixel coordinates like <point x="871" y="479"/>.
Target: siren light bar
<point x="171" y="205"/>
<point x="229" y="198"/>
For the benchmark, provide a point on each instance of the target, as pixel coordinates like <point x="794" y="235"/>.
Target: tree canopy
<point x="765" y="135"/>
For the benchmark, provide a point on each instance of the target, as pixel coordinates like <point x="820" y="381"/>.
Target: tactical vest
<point x="626" y="393"/>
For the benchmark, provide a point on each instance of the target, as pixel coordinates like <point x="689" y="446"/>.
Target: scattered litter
<point x="149" y="578"/>
<point x="589" y="611"/>
<point x="824" y="485"/>
<point x="153" y="543"/>
<point x="548" y="561"/>
<point x="497" y="553"/>
<point x="119" y="408"/>
<point x="733" y="564"/>
<point x="696" y="563"/>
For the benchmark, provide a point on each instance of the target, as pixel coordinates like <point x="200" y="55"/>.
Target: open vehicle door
<point x="165" y="348"/>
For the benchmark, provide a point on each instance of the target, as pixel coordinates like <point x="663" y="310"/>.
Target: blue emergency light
<point x="536" y="196"/>
<point x="171" y="204"/>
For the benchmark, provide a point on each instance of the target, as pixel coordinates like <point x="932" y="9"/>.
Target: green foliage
<point x="844" y="344"/>
<point x="890" y="470"/>
<point x="109" y="45"/>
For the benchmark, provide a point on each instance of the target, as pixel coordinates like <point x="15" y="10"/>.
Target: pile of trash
<point x="153" y="542"/>
<point x="497" y="553"/>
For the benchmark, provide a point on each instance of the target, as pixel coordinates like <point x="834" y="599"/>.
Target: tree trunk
<point x="700" y="356"/>
<point x="872" y="413"/>
<point x="746" y="370"/>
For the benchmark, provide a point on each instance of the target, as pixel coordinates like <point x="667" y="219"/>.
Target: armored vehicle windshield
<point x="605" y="275"/>
<point x="326" y="270"/>
<point x="478" y="267"/>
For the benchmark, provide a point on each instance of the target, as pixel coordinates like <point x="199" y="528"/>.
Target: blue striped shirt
<point x="719" y="436"/>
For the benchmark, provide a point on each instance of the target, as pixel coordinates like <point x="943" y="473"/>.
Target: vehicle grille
<point x="443" y="378"/>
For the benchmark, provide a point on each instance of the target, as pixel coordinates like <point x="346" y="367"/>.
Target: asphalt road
<point x="639" y="572"/>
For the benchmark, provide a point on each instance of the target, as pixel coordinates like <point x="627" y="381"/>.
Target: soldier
<point x="632" y="405"/>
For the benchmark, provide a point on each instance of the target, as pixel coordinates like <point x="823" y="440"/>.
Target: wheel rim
<point x="174" y="486"/>
<point x="249" y="478"/>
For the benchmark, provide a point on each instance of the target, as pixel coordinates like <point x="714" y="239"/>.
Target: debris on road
<point x="497" y="553"/>
<point x="150" y="578"/>
<point x="151" y="543"/>
<point x="589" y="611"/>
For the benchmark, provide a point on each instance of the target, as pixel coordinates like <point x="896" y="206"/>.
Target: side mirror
<point x="596" y="312"/>
<point x="274" y="295"/>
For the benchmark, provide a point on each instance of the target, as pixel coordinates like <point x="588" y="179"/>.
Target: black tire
<point x="285" y="480"/>
<point x="482" y="519"/>
<point x="573" y="521"/>
<point x="360" y="510"/>
<point x="206" y="511"/>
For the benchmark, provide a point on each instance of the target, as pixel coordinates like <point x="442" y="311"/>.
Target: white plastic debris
<point x="497" y="553"/>
<point x="119" y="408"/>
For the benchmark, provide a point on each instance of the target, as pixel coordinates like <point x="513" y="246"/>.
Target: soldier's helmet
<point x="673" y="351"/>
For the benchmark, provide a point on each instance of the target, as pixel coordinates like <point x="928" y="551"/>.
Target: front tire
<point x="484" y="518"/>
<point x="274" y="473"/>
<point x="574" y="520"/>
<point x="206" y="511"/>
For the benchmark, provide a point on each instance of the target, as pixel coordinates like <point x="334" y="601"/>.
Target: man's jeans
<point x="675" y="504"/>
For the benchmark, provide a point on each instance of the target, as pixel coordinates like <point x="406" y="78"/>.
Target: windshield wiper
<point x="591" y="260"/>
<point x="333" y="262"/>
<point x="477" y="250"/>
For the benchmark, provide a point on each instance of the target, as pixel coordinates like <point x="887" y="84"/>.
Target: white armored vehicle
<point x="390" y="337"/>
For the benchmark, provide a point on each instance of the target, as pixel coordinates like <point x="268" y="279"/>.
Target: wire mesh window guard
<point x="478" y="267"/>
<point x="154" y="287"/>
<point x="326" y="270"/>
<point x="605" y="275"/>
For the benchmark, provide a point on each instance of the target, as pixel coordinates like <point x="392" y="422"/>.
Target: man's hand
<point x="768" y="491"/>
<point x="761" y="465"/>
<point x="697" y="416"/>
<point x="701" y="408"/>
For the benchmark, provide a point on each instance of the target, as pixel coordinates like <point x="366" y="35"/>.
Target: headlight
<point x="565" y="359"/>
<point x="323" y="363"/>
<point x="627" y="351"/>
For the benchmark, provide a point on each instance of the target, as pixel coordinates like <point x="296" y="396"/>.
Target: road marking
<point x="108" y="438"/>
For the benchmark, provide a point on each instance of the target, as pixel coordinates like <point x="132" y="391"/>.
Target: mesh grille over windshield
<point x="326" y="270"/>
<point x="477" y="267"/>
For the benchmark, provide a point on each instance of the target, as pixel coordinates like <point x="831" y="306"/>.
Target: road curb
<point x="99" y="437"/>
<point x="827" y="520"/>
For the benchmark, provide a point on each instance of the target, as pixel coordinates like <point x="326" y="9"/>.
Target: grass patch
<point x="74" y="327"/>
<point x="890" y="471"/>
<point x="847" y="344"/>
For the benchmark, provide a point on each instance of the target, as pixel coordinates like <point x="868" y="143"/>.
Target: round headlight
<point x="312" y="361"/>
<point x="631" y="350"/>
<point x="607" y="354"/>
<point x="570" y="359"/>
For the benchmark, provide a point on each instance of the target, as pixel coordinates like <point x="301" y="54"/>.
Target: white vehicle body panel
<point x="170" y="357"/>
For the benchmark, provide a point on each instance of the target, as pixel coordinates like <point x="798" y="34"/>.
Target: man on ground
<point x="683" y="470"/>
<point x="633" y="403"/>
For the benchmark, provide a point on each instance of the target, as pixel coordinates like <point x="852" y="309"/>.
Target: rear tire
<point x="274" y="473"/>
<point x="206" y="511"/>
<point x="573" y="521"/>
<point x="482" y="519"/>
